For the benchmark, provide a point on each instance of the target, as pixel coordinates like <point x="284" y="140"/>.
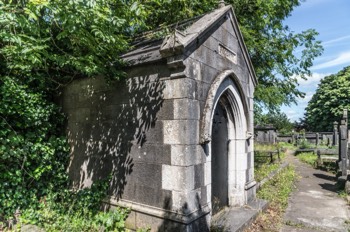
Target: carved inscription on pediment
<point x="228" y="53"/>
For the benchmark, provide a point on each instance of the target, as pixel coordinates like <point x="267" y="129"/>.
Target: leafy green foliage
<point x="32" y="158"/>
<point x="44" y="44"/>
<point x="76" y="211"/>
<point x="276" y="118"/>
<point x="59" y="40"/>
<point x="270" y="43"/>
<point x="327" y="104"/>
<point x="304" y="144"/>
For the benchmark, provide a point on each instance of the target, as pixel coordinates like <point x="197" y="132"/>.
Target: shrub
<point x="33" y="158"/>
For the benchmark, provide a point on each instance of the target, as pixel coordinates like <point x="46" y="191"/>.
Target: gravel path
<point x="315" y="205"/>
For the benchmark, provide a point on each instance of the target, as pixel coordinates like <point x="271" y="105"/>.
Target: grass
<point x="262" y="163"/>
<point x="308" y="158"/>
<point x="264" y="170"/>
<point x="311" y="159"/>
<point x="265" y="147"/>
<point x="276" y="191"/>
<point x="286" y="145"/>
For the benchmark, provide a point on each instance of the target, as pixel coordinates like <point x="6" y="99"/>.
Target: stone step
<point x="237" y="219"/>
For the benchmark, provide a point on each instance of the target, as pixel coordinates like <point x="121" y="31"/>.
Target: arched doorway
<point x="225" y="131"/>
<point x="219" y="163"/>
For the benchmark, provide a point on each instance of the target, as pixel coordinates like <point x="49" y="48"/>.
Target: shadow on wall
<point x="104" y="122"/>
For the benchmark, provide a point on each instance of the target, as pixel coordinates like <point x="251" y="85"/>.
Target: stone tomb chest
<point x="176" y="135"/>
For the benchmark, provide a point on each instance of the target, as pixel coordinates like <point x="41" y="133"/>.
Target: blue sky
<point x="331" y="18"/>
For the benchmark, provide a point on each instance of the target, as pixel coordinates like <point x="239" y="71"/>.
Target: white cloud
<point x="334" y="41"/>
<point x="294" y="115"/>
<point x="314" y="78"/>
<point x="306" y="99"/>
<point x="343" y="58"/>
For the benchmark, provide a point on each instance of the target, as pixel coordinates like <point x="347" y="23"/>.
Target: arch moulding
<point x="214" y="94"/>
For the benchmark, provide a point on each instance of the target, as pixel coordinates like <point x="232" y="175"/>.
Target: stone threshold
<point x="237" y="219"/>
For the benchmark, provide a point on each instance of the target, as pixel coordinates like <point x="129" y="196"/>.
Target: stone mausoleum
<point x="176" y="134"/>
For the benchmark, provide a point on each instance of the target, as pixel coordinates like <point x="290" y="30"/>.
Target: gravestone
<point x="265" y="134"/>
<point x="343" y="145"/>
<point x="335" y="134"/>
<point x="176" y="134"/>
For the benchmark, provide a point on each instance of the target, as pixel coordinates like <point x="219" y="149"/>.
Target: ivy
<point x="32" y="158"/>
<point x="44" y="45"/>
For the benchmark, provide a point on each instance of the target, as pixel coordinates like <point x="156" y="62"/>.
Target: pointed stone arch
<point x="225" y="84"/>
<point x="226" y="95"/>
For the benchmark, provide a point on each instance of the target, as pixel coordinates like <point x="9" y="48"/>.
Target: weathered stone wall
<point x="265" y="136"/>
<point x="118" y="129"/>
<point x="285" y="138"/>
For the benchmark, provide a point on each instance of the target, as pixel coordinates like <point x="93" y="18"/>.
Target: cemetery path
<point x="315" y="205"/>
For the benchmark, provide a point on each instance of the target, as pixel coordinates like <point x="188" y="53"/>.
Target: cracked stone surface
<point x="315" y="205"/>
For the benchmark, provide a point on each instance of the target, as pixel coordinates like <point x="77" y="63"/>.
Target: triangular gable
<point x="177" y="43"/>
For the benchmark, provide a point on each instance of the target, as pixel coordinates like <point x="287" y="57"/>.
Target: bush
<point x="304" y="144"/>
<point x="33" y="158"/>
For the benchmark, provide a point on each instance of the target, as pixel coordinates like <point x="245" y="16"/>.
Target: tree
<point x="271" y="44"/>
<point x="44" y="44"/>
<point x="327" y="104"/>
<point x="300" y="125"/>
<point x="276" y="118"/>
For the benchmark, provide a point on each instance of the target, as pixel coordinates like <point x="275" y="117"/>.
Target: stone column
<point x="343" y="142"/>
<point x="335" y="134"/>
<point x="317" y="139"/>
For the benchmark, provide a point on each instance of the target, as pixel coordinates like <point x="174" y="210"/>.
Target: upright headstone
<point x="293" y="138"/>
<point x="335" y="134"/>
<point x="343" y="142"/>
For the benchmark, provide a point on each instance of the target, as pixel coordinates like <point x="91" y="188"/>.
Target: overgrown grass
<point x="286" y="145"/>
<point x="276" y="191"/>
<point x="265" y="147"/>
<point x="262" y="162"/>
<point x="264" y="170"/>
<point x="304" y="144"/>
<point x="311" y="159"/>
<point x="308" y="158"/>
<point x="74" y="211"/>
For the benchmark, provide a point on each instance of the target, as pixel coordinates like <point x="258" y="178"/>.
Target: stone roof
<point x="148" y="48"/>
<point x="265" y="127"/>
